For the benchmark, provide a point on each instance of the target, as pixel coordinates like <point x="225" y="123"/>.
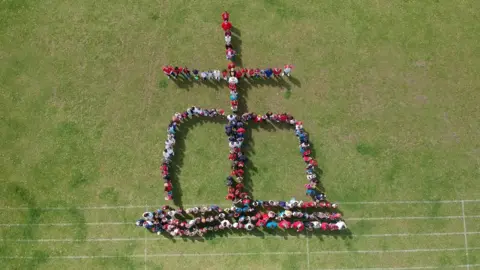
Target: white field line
<point x="308" y="251"/>
<point x="106" y="207"/>
<point x="231" y="237"/>
<point x="407" y="268"/>
<point x="465" y="233"/>
<point x="145" y="243"/>
<point x="245" y="253"/>
<point x="132" y="223"/>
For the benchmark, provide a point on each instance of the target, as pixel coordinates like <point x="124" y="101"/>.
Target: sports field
<point x="388" y="91"/>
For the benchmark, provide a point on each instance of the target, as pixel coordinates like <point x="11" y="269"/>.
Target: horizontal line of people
<point x="248" y="216"/>
<point x="217" y="75"/>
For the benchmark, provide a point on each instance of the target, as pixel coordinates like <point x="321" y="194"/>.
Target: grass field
<point x="388" y="90"/>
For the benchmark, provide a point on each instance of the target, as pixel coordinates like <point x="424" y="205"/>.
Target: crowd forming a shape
<point x="245" y="213"/>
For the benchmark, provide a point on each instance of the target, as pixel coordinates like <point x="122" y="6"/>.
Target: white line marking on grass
<point x="408" y="202"/>
<point x="406" y="268"/>
<point x="389" y="251"/>
<point x="145" y="243"/>
<point x="228" y="237"/>
<point x="308" y="251"/>
<point x="394" y="218"/>
<point x="240" y="254"/>
<point x="106" y="207"/>
<point x="160" y="255"/>
<point x="465" y="234"/>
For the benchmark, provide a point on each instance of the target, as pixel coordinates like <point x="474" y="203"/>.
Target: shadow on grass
<point x="237" y="46"/>
<point x="263" y="234"/>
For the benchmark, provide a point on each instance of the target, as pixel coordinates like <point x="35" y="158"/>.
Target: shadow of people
<point x="237" y="46"/>
<point x="295" y="81"/>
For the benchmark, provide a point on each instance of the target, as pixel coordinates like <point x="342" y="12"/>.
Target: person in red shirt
<point x="226" y="26"/>
<point x="251" y="73"/>
<point x="225" y="16"/>
<point x="239" y="74"/>
<point x="239" y="172"/>
<point x="241" y="130"/>
<point x="234" y="103"/>
<point x="277" y="72"/>
<point x="231" y="66"/>
<point x="239" y="186"/>
<point x="232" y="86"/>
<point x="176" y="71"/>
<point x="167" y="186"/>
<point x="298" y="225"/>
<point x="167" y="70"/>
<point x="224" y="74"/>
<point x="260" y="223"/>
<point x="186" y="73"/>
<point x="283" y="118"/>
<point x="257" y="73"/>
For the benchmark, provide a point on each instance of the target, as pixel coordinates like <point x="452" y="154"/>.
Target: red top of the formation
<point x="225" y="16"/>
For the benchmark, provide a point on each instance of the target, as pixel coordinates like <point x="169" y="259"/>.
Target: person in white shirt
<point x="341" y="225"/>
<point x="233" y="80"/>
<point x="225" y="223"/>
<point x="169" y="143"/>
<point x="228" y="40"/>
<point x="231" y="117"/>
<point x="148" y="215"/>
<point x="316" y="224"/>
<point x="204" y="75"/>
<point x="209" y="75"/>
<point x="217" y="74"/>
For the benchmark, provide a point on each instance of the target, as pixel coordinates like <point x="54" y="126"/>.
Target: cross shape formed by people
<point x="246" y="213"/>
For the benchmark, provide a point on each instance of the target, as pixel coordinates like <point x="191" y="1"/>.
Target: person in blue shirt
<point x="272" y="225"/>
<point x="310" y="192"/>
<point x="268" y="73"/>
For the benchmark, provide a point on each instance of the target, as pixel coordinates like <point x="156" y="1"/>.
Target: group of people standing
<point x="244" y="215"/>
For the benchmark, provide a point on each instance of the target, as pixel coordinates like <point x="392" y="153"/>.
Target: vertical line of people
<point x="172" y="129"/>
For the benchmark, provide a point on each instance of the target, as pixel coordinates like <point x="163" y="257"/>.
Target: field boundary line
<point x="230" y="237"/>
<point x="308" y="251"/>
<point x="145" y="243"/>
<point x="132" y="223"/>
<point x="226" y="205"/>
<point x="406" y="268"/>
<point x="240" y="253"/>
<point x="465" y="234"/>
<point x="390" y="251"/>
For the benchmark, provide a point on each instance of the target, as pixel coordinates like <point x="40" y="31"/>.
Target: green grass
<point x="387" y="89"/>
